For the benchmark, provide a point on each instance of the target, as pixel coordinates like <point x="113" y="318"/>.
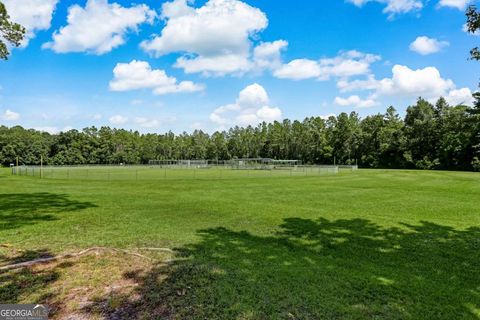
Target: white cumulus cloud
<point x="99" y="27"/>
<point x="34" y="15"/>
<point x="355" y="101"/>
<point x="393" y="7"/>
<point x="218" y="65"/>
<point x="118" y="119"/>
<point x="458" y="4"/>
<point x="346" y="64"/>
<point x="215" y="39"/>
<point x="251" y="107"/>
<point x="299" y="69"/>
<point x="147" y="123"/>
<point x="176" y="8"/>
<point x="10" y="115"/>
<point x="425" y="82"/>
<point x="267" y="55"/>
<point x="460" y="96"/>
<point x="425" y="45"/>
<point x="408" y="83"/>
<point x="140" y="75"/>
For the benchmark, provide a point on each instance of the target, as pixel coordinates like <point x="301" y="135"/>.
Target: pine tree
<point x="10" y="32"/>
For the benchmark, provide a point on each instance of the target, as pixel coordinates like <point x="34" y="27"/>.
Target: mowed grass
<point x="372" y="244"/>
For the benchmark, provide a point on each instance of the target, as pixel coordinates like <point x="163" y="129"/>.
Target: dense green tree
<point x="344" y="137"/>
<point x="454" y="135"/>
<point x="217" y="148"/>
<point x="10" y="32"/>
<point x="316" y="148"/>
<point x="420" y="132"/>
<point x="474" y="126"/>
<point x="371" y="128"/>
<point x="473" y="25"/>
<point x="392" y="141"/>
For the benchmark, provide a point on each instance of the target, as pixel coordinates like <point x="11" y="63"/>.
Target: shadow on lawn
<point x="28" y="282"/>
<point x="20" y="209"/>
<point x="343" y="269"/>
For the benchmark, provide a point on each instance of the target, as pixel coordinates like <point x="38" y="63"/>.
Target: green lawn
<point x="360" y="245"/>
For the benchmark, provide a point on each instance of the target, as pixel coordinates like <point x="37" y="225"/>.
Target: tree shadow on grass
<point x="19" y="209"/>
<point x="343" y="269"/>
<point x="17" y="284"/>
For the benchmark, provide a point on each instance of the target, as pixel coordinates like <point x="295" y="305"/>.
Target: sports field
<point x="369" y="244"/>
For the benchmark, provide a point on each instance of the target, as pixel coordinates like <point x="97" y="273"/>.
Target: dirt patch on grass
<point x="99" y="285"/>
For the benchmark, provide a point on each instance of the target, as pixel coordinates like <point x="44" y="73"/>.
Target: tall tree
<point x="345" y="137"/>
<point x="392" y="141"/>
<point x="473" y="25"/>
<point x="421" y="135"/>
<point x="453" y="133"/>
<point x="10" y="32"/>
<point x="475" y="129"/>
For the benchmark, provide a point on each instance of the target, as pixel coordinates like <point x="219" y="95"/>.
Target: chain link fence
<point x="148" y="172"/>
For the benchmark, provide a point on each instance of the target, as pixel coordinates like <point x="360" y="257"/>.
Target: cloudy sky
<point x="181" y="65"/>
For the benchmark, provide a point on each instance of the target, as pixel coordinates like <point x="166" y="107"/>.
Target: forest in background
<point x="431" y="136"/>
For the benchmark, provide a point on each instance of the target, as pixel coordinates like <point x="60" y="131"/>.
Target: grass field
<point x="359" y="245"/>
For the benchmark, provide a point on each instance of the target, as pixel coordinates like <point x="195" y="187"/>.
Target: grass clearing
<point x="379" y="244"/>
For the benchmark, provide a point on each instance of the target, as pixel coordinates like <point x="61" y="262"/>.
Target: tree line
<point x="430" y="136"/>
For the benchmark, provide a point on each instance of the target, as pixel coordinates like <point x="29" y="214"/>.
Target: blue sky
<point x="180" y="65"/>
